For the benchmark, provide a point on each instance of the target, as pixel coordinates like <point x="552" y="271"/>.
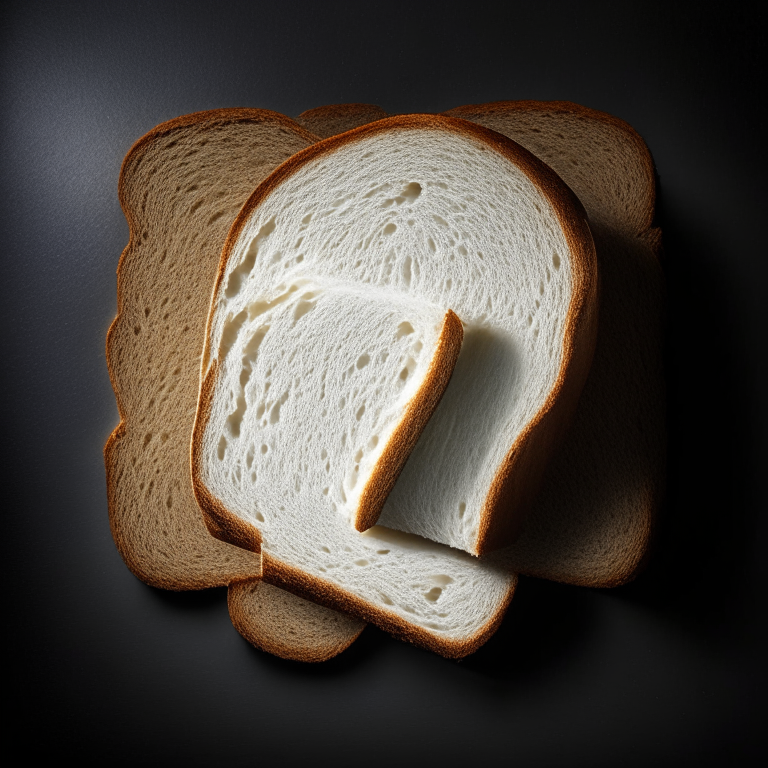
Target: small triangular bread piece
<point x="593" y="522"/>
<point x="337" y="118"/>
<point x="180" y="187"/>
<point x="449" y="214"/>
<point x="323" y="385"/>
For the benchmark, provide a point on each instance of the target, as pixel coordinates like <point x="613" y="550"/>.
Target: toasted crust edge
<point x="418" y="413"/>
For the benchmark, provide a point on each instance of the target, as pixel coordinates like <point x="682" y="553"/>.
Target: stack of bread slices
<point x="371" y="368"/>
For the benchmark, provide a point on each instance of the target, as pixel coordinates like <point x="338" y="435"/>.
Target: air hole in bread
<point x="403" y="329"/>
<point x="433" y="594"/>
<point x="411" y="191"/>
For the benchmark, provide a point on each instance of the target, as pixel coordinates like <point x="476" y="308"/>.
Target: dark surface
<point x="667" y="671"/>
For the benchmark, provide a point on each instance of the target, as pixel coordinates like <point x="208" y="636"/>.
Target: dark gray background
<point x="667" y="671"/>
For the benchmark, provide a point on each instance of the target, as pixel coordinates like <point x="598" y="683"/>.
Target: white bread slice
<point x="593" y="522"/>
<point x="541" y="243"/>
<point x="180" y="187"/>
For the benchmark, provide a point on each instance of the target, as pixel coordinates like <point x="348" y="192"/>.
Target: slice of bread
<point x="180" y="187"/>
<point x="592" y="524"/>
<point x="524" y="280"/>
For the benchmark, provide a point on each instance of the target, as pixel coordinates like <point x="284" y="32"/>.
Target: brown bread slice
<point x="593" y="521"/>
<point x="288" y="626"/>
<point x="180" y="187"/>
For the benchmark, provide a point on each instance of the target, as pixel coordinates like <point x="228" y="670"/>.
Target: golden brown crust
<point x="417" y="414"/>
<point x="221" y="523"/>
<point x="328" y="594"/>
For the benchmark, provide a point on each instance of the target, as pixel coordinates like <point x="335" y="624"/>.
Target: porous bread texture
<point x="181" y="186"/>
<point x="332" y="119"/>
<point x="593" y="522"/>
<point x="527" y="280"/>
<point x="284" y="625"/>
<point x="322" y="385"/>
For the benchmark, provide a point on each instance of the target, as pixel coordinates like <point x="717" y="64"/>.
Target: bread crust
<point x="418" y="412"/>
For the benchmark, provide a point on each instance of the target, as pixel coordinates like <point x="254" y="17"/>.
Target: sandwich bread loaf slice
<point x="532" y="292"/>
<point x="180" y="187"/>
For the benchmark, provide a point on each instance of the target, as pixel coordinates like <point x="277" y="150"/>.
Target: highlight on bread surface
<point x="446" y="214"/>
